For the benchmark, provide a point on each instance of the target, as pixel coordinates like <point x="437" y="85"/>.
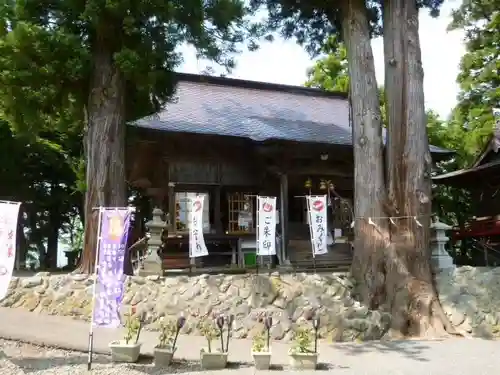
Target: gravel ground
<point x="20" y="359"/>
<point x="17" y="358"/>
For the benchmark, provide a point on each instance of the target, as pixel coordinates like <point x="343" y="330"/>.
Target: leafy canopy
<point x="47" y="51"/>
<point x="479" y="80"/>
<point x="312" y="22"/>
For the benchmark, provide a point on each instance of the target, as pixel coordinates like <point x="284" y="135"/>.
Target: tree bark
<point x="50" y="258"/>
<point x="410" y="291"/>
<point x="104" y="141"/>
<point x="369" y="187"/>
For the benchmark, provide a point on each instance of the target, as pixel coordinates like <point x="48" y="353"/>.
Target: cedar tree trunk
<point x="369" y="186"/>
<point x="411" y="293"/>
<point x="50" y="258"/>
<point x="104" y="141"/>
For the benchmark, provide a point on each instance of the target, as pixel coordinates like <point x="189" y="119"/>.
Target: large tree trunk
<point x="50" y="258"/>
<point x="411" y="293"/>
<point x="369" y="188"/>
<point x="104" y="142"/>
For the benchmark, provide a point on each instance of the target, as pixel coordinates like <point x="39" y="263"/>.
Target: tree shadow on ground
<point x="415" y="350"/>
<point x="36" y="364"/>
<point x="146" y="366"/>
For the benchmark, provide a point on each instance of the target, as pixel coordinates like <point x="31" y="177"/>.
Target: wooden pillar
<point x="171" y="208"/>
<point x="284" y="216"/>
<point x="217" y="210"/>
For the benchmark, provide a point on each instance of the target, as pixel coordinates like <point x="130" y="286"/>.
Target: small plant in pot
<point x="169" y="332"/>
<point x="215" y="358"/>
<point x="261" y="351"/>
<point x="304" y="351"/>
<point x="129" y="348"/>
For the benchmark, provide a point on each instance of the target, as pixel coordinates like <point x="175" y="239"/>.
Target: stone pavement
<point x="454" y="356"/>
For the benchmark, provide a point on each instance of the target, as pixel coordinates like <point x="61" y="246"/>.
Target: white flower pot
<point x="303" y="361"/>
<point x="122" y="352"/>
<point x="163" y="356"/>
<point x="262" y="360"/>
<point x="213" y="361"/>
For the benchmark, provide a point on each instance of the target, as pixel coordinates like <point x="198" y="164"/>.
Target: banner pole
<point x="18" y="252"/>
<point x="94" y="288"/>
<point x="308" y="205"/>
<point x="257" y="219"/>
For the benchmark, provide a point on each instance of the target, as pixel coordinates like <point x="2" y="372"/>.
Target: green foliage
<point x="132" y="326"/>
<point x="312" y="22"/>
<point x="302" y="340"/>
<point x="47" y="51"/>
<point x="38" y="172"/>
<point x="479" y="78"/>
<point x="259" y="342"/>
<point x="330" y="73"/>
<point x="207" y="328"/>
<point x="167" y="333"/>
<point x="471" y="124"/>
<point x="73" y="234"/>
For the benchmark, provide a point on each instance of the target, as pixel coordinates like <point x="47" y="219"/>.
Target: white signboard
<point x="316" y="207"/>
<point x="197" y="247"/>
<point x="9" y="212"/>
<point x="266" y="222"/>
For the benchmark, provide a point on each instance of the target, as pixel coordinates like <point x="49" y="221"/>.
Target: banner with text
<point x="197" y="247"/>
<point x="9" y="213"/>
<point x="266" y="222"/>
<point x="112" y="245"/>
<point x="316" y="207"/>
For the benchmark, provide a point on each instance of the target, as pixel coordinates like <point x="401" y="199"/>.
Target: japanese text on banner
<point x="197" y="247"/>
<point x="266" y="219"/>
<point x="9" y="212"/>
<point x="115" y="224"/>
<point x="317" y="206"/>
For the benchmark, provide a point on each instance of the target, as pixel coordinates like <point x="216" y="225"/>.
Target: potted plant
<point x="302" y="356"/>
<point x="169" y="332"/>
<point x="261" y="351"/>
<point x="212" y="358"/>
<point x="128" y="349"/>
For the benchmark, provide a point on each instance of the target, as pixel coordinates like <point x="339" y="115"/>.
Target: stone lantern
<point x="440" y="258"/>
<point x="152" y="263"/>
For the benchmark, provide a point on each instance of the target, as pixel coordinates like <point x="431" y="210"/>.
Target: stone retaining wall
<point x="291" y="299"/>
<point x="470" y="296"/>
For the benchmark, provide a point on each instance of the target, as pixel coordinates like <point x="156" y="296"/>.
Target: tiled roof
<point x="254" y="110"/>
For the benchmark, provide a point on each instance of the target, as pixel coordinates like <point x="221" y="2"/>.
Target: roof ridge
<point x="258" y="85"/>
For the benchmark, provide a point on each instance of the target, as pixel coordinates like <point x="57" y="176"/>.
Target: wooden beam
<point x="284" y="216"/>
<point x="309" y="171"/>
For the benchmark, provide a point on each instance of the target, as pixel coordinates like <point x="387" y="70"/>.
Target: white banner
<point x="9" y="213"/>
<point x="197" y="247"/>
<point x="266" y="223"/>
<point x="316" y="207"/>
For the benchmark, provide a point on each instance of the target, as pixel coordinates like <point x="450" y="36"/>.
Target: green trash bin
<point x="250" y="259"/>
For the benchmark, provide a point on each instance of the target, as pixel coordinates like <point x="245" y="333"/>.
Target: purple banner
<point x="115" y="224"/>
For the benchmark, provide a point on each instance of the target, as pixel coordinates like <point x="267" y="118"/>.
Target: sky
<point x="285" y="62"/>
